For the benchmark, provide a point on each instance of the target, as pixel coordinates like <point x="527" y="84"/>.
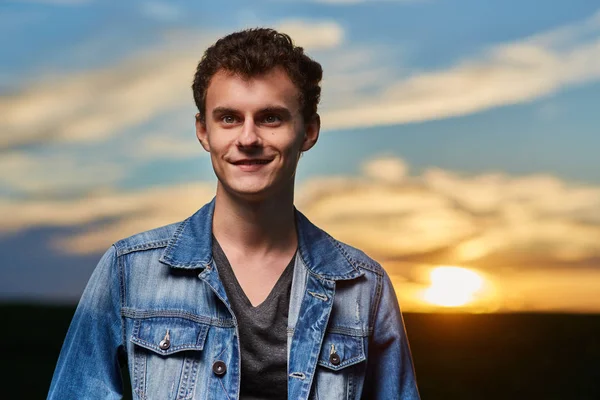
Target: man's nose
<point x="249" y="134"/>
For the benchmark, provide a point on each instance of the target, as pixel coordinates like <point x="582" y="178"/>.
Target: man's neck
<point x="257" y="227"/>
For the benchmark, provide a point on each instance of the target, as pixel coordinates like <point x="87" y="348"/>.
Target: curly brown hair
<point x="253" y="52"/>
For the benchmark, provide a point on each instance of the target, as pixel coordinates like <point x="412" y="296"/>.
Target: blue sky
<point x="487" y="110"/>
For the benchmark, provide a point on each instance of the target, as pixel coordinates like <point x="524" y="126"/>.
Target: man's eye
<point x="228" y="119"/>
<point x="272" y="119"/>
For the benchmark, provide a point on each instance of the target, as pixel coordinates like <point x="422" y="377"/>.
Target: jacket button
<point x="335" y="359"/>
<point x="164" y="344"/>
<point x="219" y="368"/>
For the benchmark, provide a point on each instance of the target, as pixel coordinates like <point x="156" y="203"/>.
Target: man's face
<point x="255" y="132"/>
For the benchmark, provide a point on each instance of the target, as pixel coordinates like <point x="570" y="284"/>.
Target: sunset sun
<point x="453" y="286"/>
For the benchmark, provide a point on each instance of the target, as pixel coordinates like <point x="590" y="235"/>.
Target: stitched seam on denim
<point x="135" y="373"/>
<point x="140" y="372"/>
<point x="346" y="363"/>
<point x="329" y="278"/>
<point x="350" y="386"/>
<point x="199" y="345"/>
<point x="219" y="355"/>
<point x="143" y="246"/>
<point x="341" y="249"/>
<point x="122" y="294"/>
<point x="192" y="384"/>
<point x="172" y="349"/>
<point x="143" y="314"/>
<point x="139" y="375"/>
<point x="175" y="239"/>
<point x="223" y="386"/>
<point x="183" y="379"/>
<point x="375" y="268"/>
<point x="375" y="308"/>
<point x="195" y="264"/>
<point x="345" y="330"/>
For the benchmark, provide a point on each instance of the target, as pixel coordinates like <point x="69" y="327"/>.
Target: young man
<point x="246" y="298"/>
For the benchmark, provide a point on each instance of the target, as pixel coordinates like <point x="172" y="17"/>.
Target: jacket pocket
<point x="348" y="348"/>
<point x="167" y="354"/>
<point x="335" y="376"/>
<point x="168" y="335"/>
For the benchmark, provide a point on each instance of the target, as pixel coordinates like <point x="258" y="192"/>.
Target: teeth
<point x="253" y="162"/>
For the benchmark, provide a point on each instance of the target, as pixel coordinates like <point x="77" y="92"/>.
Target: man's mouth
<point x="251" y="162"/>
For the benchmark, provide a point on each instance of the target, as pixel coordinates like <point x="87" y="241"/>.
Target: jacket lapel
<point x="305" y="346"/>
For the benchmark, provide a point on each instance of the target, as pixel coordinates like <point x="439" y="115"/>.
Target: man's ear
<point x="201" y="133"/>
<point x="311" y="132"/>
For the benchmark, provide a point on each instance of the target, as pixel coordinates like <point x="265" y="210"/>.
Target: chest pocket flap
<point x="340" y="350"/>
<point x="168" y="335"/>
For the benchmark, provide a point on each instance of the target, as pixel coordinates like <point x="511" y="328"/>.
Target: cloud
<point x="386" y="169"/>
<point x="105" y="217"/>
<point x="538" y="212"/>
<point x="477" y="216"/>
<point x="388" y="220"/>
<point x="313" y="35"/>
<point x="98" y="104"/>
<point x="69" y="169"/>
<point x="510" y="73"/>
<point x="65" y="172"/>
<point x="55" y="174"/>
<point x="467" y="217"/>
<point x="161" y="145"/>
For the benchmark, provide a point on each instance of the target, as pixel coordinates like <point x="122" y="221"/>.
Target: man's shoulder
<point x="155" y="238"/>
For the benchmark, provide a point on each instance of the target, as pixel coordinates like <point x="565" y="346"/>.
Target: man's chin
<point x="250" y="194"/>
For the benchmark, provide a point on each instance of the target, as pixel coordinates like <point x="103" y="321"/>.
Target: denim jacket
<point x="155" y="300"/>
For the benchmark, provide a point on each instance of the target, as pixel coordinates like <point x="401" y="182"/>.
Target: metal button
<point x="166" y="342"/>
<point x="335" y="359"/>
<point x="219" y="368"/>
<point x="333" y="356"/>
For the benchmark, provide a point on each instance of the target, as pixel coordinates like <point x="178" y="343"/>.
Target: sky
<point x="454" y="133"/>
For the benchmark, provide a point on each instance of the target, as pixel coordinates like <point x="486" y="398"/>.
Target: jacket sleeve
<point x="390" y="372"/>
<point x="88" y="366"/>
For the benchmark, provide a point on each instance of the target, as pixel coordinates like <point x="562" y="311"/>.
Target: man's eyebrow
<point x="223" y="110"/>
<point x="276" y="110"/>
<point x="217" y="111"/>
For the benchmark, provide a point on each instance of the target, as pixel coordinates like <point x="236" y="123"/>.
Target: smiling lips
<point x="251" y="162"/>
<point x="249" y="165"/>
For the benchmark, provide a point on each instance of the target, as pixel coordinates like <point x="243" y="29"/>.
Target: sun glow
<point x="453" y="286"/>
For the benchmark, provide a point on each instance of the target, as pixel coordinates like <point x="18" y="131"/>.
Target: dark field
<point x="457" y="356"/>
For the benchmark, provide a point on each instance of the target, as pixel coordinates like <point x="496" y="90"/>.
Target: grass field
<point x="457" y="356"/>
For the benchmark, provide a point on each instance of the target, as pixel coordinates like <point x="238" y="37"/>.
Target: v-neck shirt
<point x="262" y="331"/>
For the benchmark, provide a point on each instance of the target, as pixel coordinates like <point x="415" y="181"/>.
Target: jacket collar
<point x="190" y="247"/>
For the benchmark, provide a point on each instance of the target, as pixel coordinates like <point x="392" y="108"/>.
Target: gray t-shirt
<point x="262" y="330"/>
